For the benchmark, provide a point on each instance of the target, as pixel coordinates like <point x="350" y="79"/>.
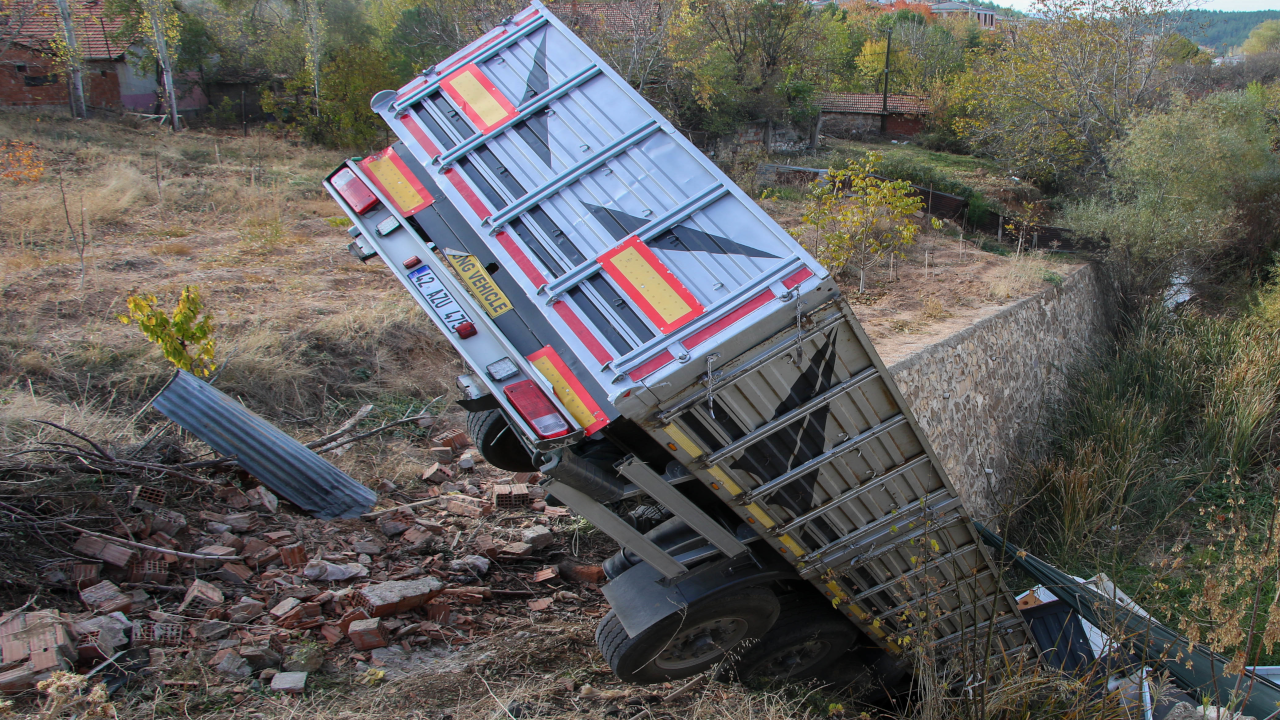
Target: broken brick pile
<point x="255" y="591"/>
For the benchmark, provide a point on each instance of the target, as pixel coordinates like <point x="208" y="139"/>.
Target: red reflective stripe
<point x="532" y="14"/>
<point x="469" y="53"/>
<point x="468" y="194"/>
<point x="407" y="89"/>
<point x="581" y="331"/>
<point x="522" y="261"/>
<point x="740" y="312"/>
<point x="797" y="277"/>
<point x="414" y="126"/>
<point x="651" y="367"/>
<point x="488" y="87"/>
<point x="424" y="197"/>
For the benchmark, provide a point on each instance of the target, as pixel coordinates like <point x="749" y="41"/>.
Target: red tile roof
<point x="618" y="16"/>
<point x="873" y="104"/>
<point x="35" y="23"/>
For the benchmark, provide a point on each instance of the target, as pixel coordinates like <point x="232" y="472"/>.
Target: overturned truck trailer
<point x="640" y="331"/>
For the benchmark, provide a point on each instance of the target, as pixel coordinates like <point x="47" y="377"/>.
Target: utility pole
<point x="884" y="99"/>
<point x="74" y="79"/>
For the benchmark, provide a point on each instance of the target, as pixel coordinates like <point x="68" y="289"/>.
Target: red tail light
<point x="534" y="406"/>
<point x="466" y="330"/>
<point x="356" y="193"/>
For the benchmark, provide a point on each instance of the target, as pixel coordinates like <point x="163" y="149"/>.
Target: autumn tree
<point x="67" y="48"/>
<point x="855" y="219"/>
<point x="1264" y="37"/>
<point x="160" y="22"/>
<point x="1050" y="101"/>
<point x="1186" y="187"/>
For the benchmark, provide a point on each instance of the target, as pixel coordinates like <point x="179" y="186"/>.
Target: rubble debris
<point x="263" y="498"/>
<point x="470" y="564"/>
<point x="289" y="682"/>
<point x="581" y="573"/>
<point x="397" y="596"/>
<point x="105" y="597"/>
<point x="277" y="595"/>
<point x="108" y="552"/>
<point x="232" y="663"/>
<point x="331" y="572"/>
<point x="454" y="439"/>
<point x="293" y="555"/>
<point x="468" y="506"/>
<point x="539" y="536"/>
<point x="305" y="659"/>
<point x="367" y="634"/>
<point x="260" y="658"/>
<point x="202" y="592"/>
<point x="510" y="497"/>
<point x="246" y="610"/>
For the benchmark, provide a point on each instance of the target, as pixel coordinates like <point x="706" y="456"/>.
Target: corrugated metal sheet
<point x="283" y="464"/>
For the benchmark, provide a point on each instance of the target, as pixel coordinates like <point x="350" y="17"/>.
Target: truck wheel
<point x="687" y="643"/>
<point x="497" y="442"/>
<point x="807" y="637"/>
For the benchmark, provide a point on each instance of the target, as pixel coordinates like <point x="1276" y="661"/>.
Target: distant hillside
<point x="1222" y="30"/>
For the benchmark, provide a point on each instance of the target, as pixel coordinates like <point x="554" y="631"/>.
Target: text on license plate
<point x="433" y="292"/>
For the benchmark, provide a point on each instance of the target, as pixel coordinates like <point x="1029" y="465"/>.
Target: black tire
<point x="689" y="642"/>
<point x="497" y="441"/>
<point x="807" y="638"/>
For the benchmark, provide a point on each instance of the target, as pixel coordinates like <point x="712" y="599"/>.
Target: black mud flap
<point x="641" y="598"/>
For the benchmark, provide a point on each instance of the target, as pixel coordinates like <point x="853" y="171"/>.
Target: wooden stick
<point x="346" y="428"/>
<point x="140" y="546"/>
<point x="380" y="513"/>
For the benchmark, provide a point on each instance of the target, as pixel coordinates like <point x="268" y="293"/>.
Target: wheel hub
<point x="794" y="659"/>
<point x="695" y="644"/>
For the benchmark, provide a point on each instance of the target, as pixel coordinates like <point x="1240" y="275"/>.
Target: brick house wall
<point x="31" y="79"/>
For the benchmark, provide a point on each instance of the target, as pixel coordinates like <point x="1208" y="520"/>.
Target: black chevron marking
<point x="680" y="238"/>
<point x="534" y="130"/>
<point x="796" y="444"/>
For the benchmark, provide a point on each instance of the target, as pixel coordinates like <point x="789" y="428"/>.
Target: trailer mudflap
<point x="641" y="599"/>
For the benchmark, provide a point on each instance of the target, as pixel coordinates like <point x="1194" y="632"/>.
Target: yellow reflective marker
<point x="569" y="390"/>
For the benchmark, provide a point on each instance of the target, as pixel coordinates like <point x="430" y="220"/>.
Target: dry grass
<point x="1022" y="275"/>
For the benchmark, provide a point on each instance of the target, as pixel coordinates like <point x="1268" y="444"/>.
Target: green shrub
<point x="927" y="176"/>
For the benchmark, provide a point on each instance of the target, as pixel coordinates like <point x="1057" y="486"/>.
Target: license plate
<point x="482" y="287"/>
<point x="439" y="299"/>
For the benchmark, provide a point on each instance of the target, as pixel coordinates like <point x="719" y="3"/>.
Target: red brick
<point x="582" y="573"/>
<point x="294" y="555"/>
<point x="367" y="634"/>
<point x="105" y="597"/>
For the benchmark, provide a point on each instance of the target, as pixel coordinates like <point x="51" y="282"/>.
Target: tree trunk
<point x="75" y="79"/>
<point x="166" y="65"/>
<point x="862" y="279"/>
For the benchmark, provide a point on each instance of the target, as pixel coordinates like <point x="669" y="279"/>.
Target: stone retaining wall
<point x="979" y="392"/>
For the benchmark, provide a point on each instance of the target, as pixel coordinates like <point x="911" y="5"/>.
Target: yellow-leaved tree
<point x="856" y="219"/>
<point x="185" y="336"/>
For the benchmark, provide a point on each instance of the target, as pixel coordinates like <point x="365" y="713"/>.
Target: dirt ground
<point x="306" y="334"/>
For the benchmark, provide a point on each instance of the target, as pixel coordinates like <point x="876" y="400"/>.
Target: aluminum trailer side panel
<point x="811" y="443"/>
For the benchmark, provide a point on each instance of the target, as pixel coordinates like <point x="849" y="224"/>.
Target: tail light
<point x="356" y="193"/>
<point x="534" y="406"/>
